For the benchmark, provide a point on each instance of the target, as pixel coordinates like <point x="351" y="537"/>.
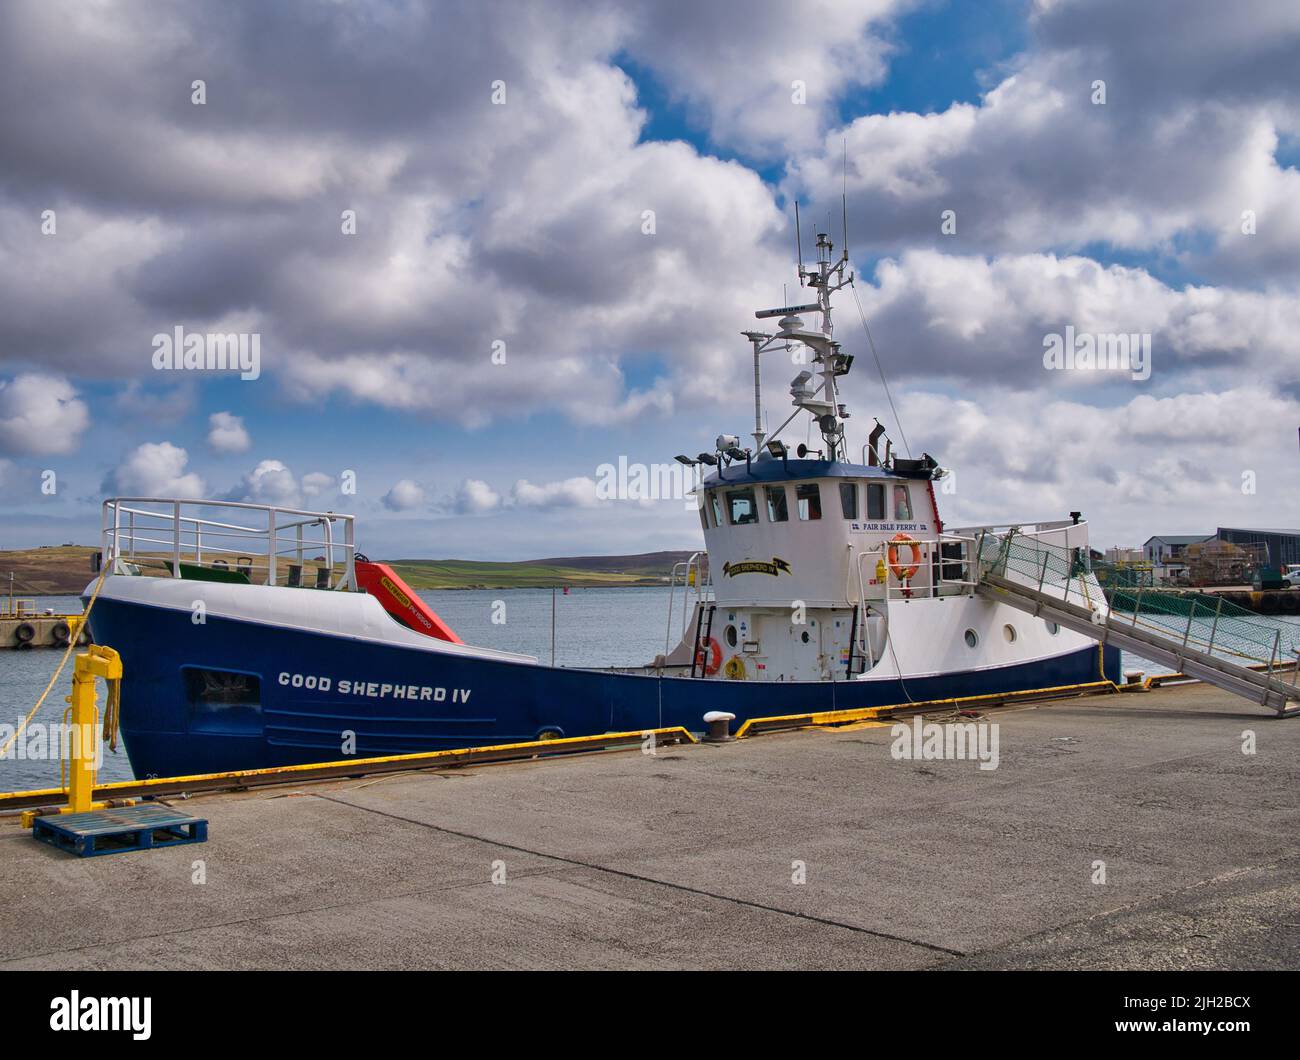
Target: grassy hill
<point x="55" y="571"/>
<point x="66" y="569"/>
<point x="650" y="568"/>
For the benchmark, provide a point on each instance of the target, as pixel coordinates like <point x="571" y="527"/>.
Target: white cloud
<point x="578" y="492"/>
<point x="270" y="482"/>
<point x="40" y="414"/>
<point x="451" y="257"/>
<point x="1185" y="142"/>
<point x="975" y="318"/>
<point x="564" y="326"/>
<point x="736" y="69"/>
<point x="273" y="482"/>
<point x="66" y="299"/>
<point x="404" y="496"/>
<point x="564" y="274"/>
<point x="227" y="433"/>
<point x="155" y="469"/>
<point x="1172" y="464"/>
<point x="315" y="483"/>
<point x="475" y="497"/>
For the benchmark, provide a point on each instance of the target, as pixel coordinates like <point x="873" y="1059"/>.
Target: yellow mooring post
<point x="97" y="661"/>
<point x="84" y="738"/>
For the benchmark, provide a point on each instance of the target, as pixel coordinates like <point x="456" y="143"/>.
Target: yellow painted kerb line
<point x="835" y="717"/>
<point x="360" y="765"/>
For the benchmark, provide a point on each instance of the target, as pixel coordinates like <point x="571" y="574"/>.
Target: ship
<point x="255" y="636"/>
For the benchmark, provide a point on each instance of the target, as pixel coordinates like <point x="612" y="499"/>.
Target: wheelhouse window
<point x="743" y="508"/>
<point x="717" y="508"/>
<point x="777" y="511"/>
<point x="849" y="499"/>
<point x="808" y="501"/>
<point x="704" y="517"/>
<point x="875" y="500"/>
<point x="902" y="504"/>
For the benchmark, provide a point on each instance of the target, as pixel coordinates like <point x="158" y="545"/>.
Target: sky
<point x="485" y="248"/>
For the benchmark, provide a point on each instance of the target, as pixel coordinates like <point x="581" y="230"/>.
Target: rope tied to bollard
<point x="67" y="654"/>
<point x="112" y="710"/>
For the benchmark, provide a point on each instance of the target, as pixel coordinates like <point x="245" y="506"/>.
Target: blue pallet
<point x="115" y="831"/>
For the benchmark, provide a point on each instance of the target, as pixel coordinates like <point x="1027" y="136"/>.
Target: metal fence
<point x="266" y="543"/>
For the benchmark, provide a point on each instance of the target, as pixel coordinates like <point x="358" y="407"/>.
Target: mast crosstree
<point x="819" y="398"/>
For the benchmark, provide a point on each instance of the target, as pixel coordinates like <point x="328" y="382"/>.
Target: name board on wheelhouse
<point x="774" y="567"/>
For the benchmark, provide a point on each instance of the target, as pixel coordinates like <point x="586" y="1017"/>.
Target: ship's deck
<point x="684" y="859"/>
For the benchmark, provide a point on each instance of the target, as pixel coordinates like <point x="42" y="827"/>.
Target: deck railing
<point x="265" y="541"/>
<point x="690" y="574"/>
<point x="950" y="559"/>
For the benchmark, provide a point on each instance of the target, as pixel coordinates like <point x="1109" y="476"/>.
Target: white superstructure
<point x="821" y="568"/>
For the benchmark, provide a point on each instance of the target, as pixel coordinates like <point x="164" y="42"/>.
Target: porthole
<point x="1053" y="628"/>
<point x="731" y="636"/>
<point x="804" y="636"/>
<point x="972" y="638"/>
<point x="1009" y="631"/>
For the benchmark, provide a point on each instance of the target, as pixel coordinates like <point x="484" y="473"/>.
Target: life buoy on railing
<point x="735" y="668"/>
<point x="901" y="572"/>
<point x="709" y="657"/>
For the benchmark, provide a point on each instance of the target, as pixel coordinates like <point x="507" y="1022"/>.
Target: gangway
<point x="1221" y="647"/>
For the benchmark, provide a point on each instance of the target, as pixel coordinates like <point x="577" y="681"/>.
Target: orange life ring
<point x="901" y="572"/>
<point x="709" y="657"/>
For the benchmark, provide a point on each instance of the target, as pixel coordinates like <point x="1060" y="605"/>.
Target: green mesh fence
<point x="1200" y="621"/>
<point x="1207" y="623"/>
<point x="1060" y="572"/>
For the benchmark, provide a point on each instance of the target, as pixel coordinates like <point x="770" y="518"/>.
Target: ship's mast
<point x="820" y="401"/>
<point x="827" y="278"/>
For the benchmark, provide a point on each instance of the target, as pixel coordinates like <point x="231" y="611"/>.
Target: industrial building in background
<point x="1230" y="556"/>
<point x="1165" y="554"/>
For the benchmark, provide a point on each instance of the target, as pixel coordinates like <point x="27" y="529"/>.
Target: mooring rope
<point x="67" y="654"/>
<point x="112" y="711"/>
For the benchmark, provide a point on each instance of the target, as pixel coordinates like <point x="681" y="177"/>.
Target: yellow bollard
<point x="95" y="661"/>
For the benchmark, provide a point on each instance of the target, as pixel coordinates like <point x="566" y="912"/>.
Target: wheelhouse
<point x="778" y="530"/>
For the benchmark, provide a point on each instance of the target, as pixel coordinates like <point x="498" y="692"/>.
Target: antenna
<point x="844" y="199"/>
<point x="798" y="241"/>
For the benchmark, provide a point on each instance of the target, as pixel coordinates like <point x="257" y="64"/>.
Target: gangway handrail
<point x="1162" y="647"/>
<point x="1040" y="529"/>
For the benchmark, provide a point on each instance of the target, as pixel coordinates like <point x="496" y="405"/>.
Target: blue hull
<point x="398" y="700"/>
